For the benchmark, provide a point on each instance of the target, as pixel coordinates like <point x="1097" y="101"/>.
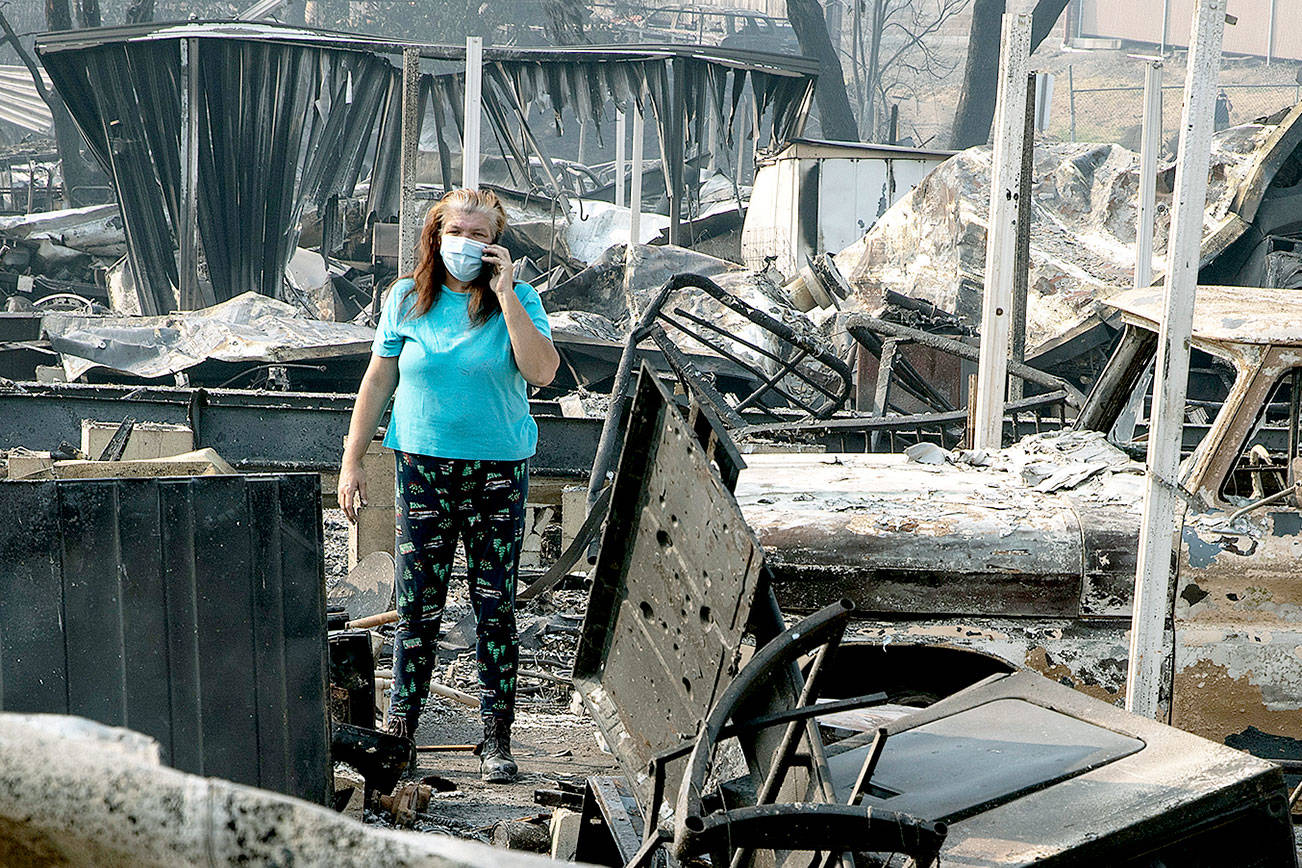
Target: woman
<point x="458" y="339"/>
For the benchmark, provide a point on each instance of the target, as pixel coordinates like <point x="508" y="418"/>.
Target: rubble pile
<point x="931" y="245"/>
<point x="732" y="464"/>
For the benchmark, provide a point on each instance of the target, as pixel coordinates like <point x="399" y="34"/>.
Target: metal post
<point x="1166" y="18"/>
<point x="1158" y="527"/>
<point x="635" y="182"/>
<point x="712" y="125"/>
<point x="583" y="142"/>
<point x="1071" y="101"/>
<point x="1022" y="253"/>
<point x="621" y="135"/>
<point x="1152" y="136"/>
<point x="743" y="124"/>
<point x="676" y="148"/>
<point x="1043" y="100"/>
<point x="1270" y="33"/>
<point x="1001" y="231"/>
<point x="187" y="235"/>
<point x="474" y="87"/>
<point x="408" y="207"/>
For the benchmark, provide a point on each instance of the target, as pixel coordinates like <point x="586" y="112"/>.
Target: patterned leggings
<point x="439" y="501"/>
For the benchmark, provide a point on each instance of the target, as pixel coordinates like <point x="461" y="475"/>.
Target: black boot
<point x="496" y="765"/>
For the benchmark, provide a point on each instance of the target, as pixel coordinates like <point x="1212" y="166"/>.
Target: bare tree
<point x="976" y="103"/>
<point x="894" y="49"/>
<point x="567" y="21"/>
<point x="834" y="112"/>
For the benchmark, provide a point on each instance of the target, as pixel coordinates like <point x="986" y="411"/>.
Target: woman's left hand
<point x="498" y="258"/>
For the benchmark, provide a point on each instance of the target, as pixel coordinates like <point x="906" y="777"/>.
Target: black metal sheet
<point x="190" y="609"/>
<point x="980" y="757"/>
<point x="258" y="430"/>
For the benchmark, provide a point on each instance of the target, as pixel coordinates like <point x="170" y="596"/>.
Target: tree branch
<point x="51" y="99"/>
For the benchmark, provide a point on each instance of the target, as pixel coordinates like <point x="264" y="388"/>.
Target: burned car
<point x="1026" y="556"/>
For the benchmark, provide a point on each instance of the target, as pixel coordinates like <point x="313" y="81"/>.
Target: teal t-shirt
<point x="460" y="394"/>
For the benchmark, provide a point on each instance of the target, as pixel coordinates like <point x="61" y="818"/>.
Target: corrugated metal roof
<point x="20" y="104"/>
<point x="774" y="64"/>
<point x="190" y="609"/>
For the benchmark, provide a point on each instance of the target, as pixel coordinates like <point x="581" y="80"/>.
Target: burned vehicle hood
<point x="1025" y="536"/>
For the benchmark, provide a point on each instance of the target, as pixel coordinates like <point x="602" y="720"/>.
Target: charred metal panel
<point x="1110" y="552"/>
<point x="251" y="430"/>
<point x="280" y="125"/>
<point x="1237" y="606"/>
<point x="675" y="581"/>
<point x="1031" y="772"/>
<point x="903" y="537"/>
<point x="189" y="609"/>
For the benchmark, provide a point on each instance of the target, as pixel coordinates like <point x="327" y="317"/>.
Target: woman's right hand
<point x="352" y="489"/>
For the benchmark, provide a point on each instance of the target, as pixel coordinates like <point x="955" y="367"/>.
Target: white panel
<point x="854" y="193"/>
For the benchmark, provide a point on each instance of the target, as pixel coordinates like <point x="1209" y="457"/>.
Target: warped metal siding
<point x="279" y="126"/>
<point x="190" y="609"/>
<point x="20" y="104"/>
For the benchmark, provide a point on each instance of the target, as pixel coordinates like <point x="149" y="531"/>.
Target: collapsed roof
<point x="931" y="245"/>
<point x="288" y="116"/>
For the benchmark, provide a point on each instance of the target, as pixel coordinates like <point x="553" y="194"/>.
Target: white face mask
<point x="463" y="257"/>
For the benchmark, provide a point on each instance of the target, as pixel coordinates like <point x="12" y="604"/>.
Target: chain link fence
<point x="1086" y="111"/>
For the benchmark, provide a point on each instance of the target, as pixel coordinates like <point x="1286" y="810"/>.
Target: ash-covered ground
<point x="553" y="738"/>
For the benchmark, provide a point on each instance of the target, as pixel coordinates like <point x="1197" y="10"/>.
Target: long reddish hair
<point x="431" y="274"/>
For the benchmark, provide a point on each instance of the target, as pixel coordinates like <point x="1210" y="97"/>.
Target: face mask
<point x="463" y="257"/>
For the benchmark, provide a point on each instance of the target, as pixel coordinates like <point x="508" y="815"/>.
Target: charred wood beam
<point x="885" y="370"/>
<point x="857" y="325"/>
<point x="1111" y="392"/>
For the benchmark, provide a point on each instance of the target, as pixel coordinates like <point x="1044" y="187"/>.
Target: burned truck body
<point x="1027" y="556"/>
<point x="731" y="751"/>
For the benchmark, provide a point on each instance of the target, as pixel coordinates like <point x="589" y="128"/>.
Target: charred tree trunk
<point x="140" y="11"/>
<point x="67" y="137"/>
<point x="88" y="13"/>
<point x="834" y="112"/>
<point x="57" y="15"/>
<point x="976" y="102"/>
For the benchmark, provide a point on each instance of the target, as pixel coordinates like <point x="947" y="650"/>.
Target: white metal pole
<point x="1166" y="18"/>
<point x="1152" y="135"/>
<point x="1001" y="231"/>
<point x="1270" y="33"/>
<point x="635" y="182"/>
<point x="474" y="87"/>
<point x="1158" y="528"/>
<point x="621" y="136"/>
<point x="408" y="209"/>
